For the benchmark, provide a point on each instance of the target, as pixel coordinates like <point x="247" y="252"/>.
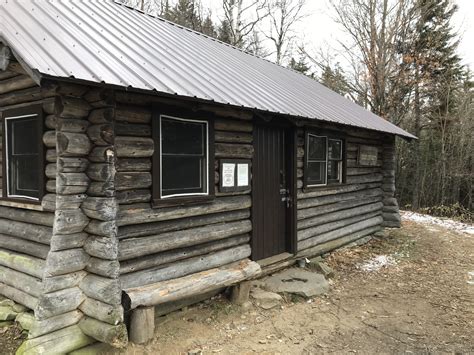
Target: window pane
<point x="182" y="137"/>
<point x="316" y="148"/>
<point x="182" y="174"/>
<point x="316" y="173"/>
<point x="334" y="149"/>
<point x="24" y="135"/>
<point x="333" y="171"/>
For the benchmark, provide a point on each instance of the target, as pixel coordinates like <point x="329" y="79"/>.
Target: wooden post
<point x="240" y="292"/>
<point x="142" y="325"/>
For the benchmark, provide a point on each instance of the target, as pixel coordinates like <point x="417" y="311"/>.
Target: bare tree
<point x="284" y="14"/>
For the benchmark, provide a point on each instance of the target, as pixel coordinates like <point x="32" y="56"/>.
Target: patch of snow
<point x="377" y="263"/>
<point x="442" y="222"/>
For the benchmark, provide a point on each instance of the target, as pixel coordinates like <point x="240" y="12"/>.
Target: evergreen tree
<point x="334" y="79"/>
<point x="185" y="13"/>
<point x="224" y="32"/>
<point x="301" y="65"/>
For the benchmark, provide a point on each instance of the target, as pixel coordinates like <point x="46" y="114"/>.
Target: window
<point x="323" y="160"/>
<point x="23" y="152"/>
<point x="184" y="167"/>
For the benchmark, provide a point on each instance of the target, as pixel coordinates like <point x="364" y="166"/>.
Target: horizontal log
<point x="24" y="230"/>
<point x="150" y="261"/>
<point x="68" y="241"/>
<point x="145" y="229"/>
<point x="62" y="341"/>
<point x="132" y="114"/>
<point x="18" y="296"/>
<point x="102" y="289"/>
<point x="101" y="208"/>
<point x="333" y="190"/>
<point x="136" y="247"/>
<point x="101" y="172"/>
<point x="325" y="200"/>
<point x="49" y="139"/>
<point x="102" y="115"/>
<point x="51" y="170"/>
<point x="59" y="302"/>
<point x="24" y="95"/>
<point x="51" y="156"/>
<point x="51" y="186"/>
<point x="72" y="183"/>
<point x="206" y="281"/>
<point x="48" y="202"/>
<point x="31" y="217"/>
<point x="71" y="107"/>
<point x="21" y="281"/>
<point x="390" y="201"/>
<point x="103" y="228"/>
<point x="391" y="209"/>
<point x="101" y="134"/>
<point x="106" y="268"/>
<point x="62" y="282"/>
<point x="133" y="196"/>
<point x="132" y="180"/>
<point x="16" y="83"/>
<point x="52" y="324"/>
<point x="233" y="137"/>
<point x="24" y="246"/>
<point x="133" y="130"/>
<point x="185" y="267"/>
<point x="225" y="111"/>
<point x="69" y="222"/>
<point x="69" y="89"/>
<point x="362" y="179"/>
<point x="70" y="202"/>
<point x="102" y="154"/>
<point x="21" y="262"/>
<point x="233" y="125"/>
<point x="362" y="171"/>
<point x="135" y="214"/>
<point x="133" y="164"/>
<point x="102" y="247"/>
<point x="102" y="311"/>
<point x="134" y="147"/>
<point x="392" y="217"/>
<point x="338" y="233"/>
<point x="73" y="144"/>
<point x="66" y="261"/>
<point x="101" y="189"/>
<point x="71" y="125"/>
<point x="115" y="335"/>
<point x="227" y="150"/>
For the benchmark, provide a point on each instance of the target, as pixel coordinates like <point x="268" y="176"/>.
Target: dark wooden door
<point x="270" y="191"/>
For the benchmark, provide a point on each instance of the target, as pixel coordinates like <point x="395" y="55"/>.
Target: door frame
<point x="291" y="145"/>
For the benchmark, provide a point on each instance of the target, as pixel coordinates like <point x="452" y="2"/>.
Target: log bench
<point x="144" y="299"/>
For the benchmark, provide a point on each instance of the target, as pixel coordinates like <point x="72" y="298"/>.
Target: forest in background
<point x="399" y="60"/>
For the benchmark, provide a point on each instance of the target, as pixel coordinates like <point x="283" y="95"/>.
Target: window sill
<point x="321" y="187"/>
<point x="182" y="201"/>
<point x="23" y="204"/>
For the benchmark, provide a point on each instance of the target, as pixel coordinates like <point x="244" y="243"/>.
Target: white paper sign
<point x="228" y="175"/>
<point x="242" y="174"/>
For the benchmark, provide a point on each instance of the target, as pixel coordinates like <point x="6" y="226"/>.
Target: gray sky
<point x="319" y="30"/>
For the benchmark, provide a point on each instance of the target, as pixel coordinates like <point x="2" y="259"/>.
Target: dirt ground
<point x="420" y="302"/>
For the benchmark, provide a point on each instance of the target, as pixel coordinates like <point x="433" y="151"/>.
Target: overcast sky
<point x="318" y="29"/>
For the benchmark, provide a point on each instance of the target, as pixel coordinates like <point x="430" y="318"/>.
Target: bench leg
<point x="240" y="292"/>
<point x="142" y="326"/>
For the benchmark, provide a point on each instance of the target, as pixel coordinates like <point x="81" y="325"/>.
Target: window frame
<point x="186" y="198"/>
<point x="329" y="135"/>
<point x="10" y="114"/>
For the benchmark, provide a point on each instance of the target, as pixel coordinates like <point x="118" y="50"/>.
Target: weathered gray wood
<point x="24" y="95"/>
<point x="66" y="261"/>
<point x="62" y="341"/>
<point x="134" y="130"/>
<point x="233" y="125"/>
<point x="202" y="282"/>
<point x="185" y="267"/>
<point x="132" y="180"/>
<point x="24" y="246"/>
<point x="106" y="268"/>
<point x="135" y="214"/>
<point x="102" y="311"/>
<point x="69" y="89"/>
<point x="51" y="186"/>
<point x="325" y="200"/>
<point x="51" y="156"/>
<point x="58" y="302"/>
<point x="72" y="125"/>
<point x="101" y="134"/>
<point x="145" y="262"/>
<point x="115" y="335"/>
<point x="392" y="217"/>
<point x="71" y="107"/>
<point x="101" y="172"/>
<point x="101" y="208"/>
<point x="48" y="202"/>
<point x="101" y="154"/>
<point x="132" y="114"/>
<point x="102" y="247"/>
<point x="133" y="196"/>
<point x="18" y="296"/>
<point x="102" y="115"/>
<point x="23" y="282"/>
<point x="339" y="215"/>
<point x="138" y="230"/>
<point x="391" y="209"/>
<point x="54" y="323"/>
<point x="390" y="201"/>
<point x="49" y="139"/>
<point x="142" y="325"/>
<point x="134" y="147"/>
<point x="24" y="263"/>
<point x="169" y="307"/>
<point x="32" y="217"/>
<point x="70" y="202"/>
<point x="62" y="282"/>
<point x="102" y="289"/>
<point x="51" y="170"/>
<point x="338" y="233"/>
<point x="72" y="183"/>
<point x="69" y="222"/>
<point x="16" y="83"/>
<point x="133" y="164"/>
<point x="228" y="150"/>
<point x="106" y="229"/>
<point x="233" y="137"/>
<point x="73" y="144"/>
<point x="24" y="230"/>
<point x="333" y="190"/>
<point x="101" y="189"/>
<point x="132" y="248"/>
<point x="68" y="241"/>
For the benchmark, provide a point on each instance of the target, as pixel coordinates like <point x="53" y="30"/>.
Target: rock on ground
<point x="265" y="299"/>
<point x="297" y="281"/>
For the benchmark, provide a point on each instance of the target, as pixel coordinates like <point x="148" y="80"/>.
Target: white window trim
<point x="206" y="182"/>
<point x="7" y="163"/>
<point x="339" y="162"/>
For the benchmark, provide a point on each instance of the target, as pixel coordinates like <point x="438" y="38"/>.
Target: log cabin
<point x="145" y="165"/>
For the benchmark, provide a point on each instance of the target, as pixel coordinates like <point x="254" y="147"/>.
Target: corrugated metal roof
<point x="103" y="41"/>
